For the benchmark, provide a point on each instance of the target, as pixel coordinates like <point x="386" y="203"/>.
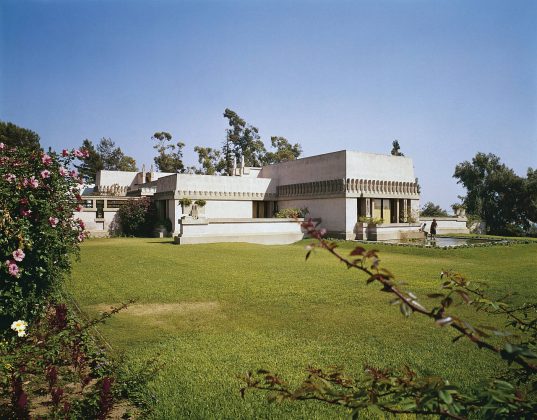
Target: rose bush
<point x="38" y="233"/>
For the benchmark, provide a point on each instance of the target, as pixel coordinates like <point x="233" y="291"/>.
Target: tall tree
<point x="242" y="140"/>
<point x="430" y="209"/>
<point x="211" y="161"/>
<point x="15" y="136"/>
<point x="396" y="149"/>
<point x="105" y="156"/>
<point x="285" y="151"/>
<point x="497" y="194"/>
<point x="170" y="155"/>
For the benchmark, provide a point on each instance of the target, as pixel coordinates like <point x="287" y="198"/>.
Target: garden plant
<point x="50" y="365"/>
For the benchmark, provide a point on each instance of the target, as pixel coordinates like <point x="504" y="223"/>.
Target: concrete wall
<point x="192" y="185"/>
<point x="97" y="227"/>
<point x="122" y="178"/>
<point x="228" y="209"/>
<point x="261" y="231"/>
<point x="380" y="167"/>
<point x="446" y="224"/>
<point x="351" y="217"/>
<point x="332" y="212"/>
<point x="310" y="169"/>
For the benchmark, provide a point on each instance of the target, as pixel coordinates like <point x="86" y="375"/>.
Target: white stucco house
<point x="339" y="189"/>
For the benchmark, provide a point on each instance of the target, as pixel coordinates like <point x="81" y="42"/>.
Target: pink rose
<point x="25" y="212"/>
<point x="2" y="146"/>
<point x="73" y="173"/>
<point x="63" y="171"/>
<point x="65" y="152"/>
<point x="18" y="255"/>
<point x="53" y="221"/>
<point x="79" y="153"/>
<point x="45" y="173"/>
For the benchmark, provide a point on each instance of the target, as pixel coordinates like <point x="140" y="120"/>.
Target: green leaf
<point x="445" y="396"/>
<point x="405" y="309"/>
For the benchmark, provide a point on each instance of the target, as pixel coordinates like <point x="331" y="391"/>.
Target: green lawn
<point x="211" y="312"/>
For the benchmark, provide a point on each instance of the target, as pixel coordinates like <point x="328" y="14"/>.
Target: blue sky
<point x="446" y="78"/>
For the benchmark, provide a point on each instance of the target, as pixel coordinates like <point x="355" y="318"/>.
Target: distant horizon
<point x="446" y="79"/>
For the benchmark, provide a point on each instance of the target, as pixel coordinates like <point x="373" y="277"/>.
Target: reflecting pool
<point x="443" y="241"/>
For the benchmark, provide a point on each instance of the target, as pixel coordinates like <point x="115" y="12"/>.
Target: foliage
<point x="38" y="234"/>
<point x="137" y="217"/>
<point x="106" y="156"/>
<point x="291" y="213"/>
<point x="200" y="203"/>
<point x="211" y="161"/>
<point x="58" y="370"/>
<point x="371" y="220"/>
<point x="14" y="136"/>
<point x="396" y="149"/>
<point x="508" y="395"/>
<point x="285" y="151"/>
<point x="170" y="155"/>
<point x="185" y="201"/>
<point x="242" y="141"/>
<point x="432" y="210"/>
<point x="506" y="202"/>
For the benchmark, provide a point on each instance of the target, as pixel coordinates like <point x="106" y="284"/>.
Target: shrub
<point x="200" y="203"/>
<point x="38" y="234"/>
<point x="371" y="220"/>
<point x="291" y="213"/>
<point x="185" y="201"/>
<point x="137" y="217"/>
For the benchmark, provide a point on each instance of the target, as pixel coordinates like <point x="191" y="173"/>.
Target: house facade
<point x="342" y="190"/>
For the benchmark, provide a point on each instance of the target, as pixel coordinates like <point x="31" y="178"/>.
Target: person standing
<point x="433" y="228"/>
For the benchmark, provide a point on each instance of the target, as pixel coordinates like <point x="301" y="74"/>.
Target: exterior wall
<point x="332" y="212"/>
<point x="228" y="209"/>
<point x="395" y="231"/>
<point x="310" y="169"/>
<point x="446" y="224"/>
<point x="210" y="187"/>
<point x="351" y="217"/>
<point x="261" y="231"/>
<point x="122" y="178"/>
<point x="98" y="227"/>
<point x="379" y="167"/>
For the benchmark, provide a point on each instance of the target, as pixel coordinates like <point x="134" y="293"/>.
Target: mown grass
<point x="212" y="312"/>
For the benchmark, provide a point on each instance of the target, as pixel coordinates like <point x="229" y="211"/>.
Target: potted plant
<point x="186" y="204"/>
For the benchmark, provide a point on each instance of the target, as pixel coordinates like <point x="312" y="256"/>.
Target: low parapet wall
<point x="387" y="232"/>
<point x="446" y="224"/>
<point x="259" y="231"/>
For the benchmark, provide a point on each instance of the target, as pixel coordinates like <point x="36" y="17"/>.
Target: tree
<point x="242" y="140"/>
<point x="170" y="155"/>
<point x="502" y="199"/>
<point x="15" y="136"/>
<point x="396" y="148"/>
<point x="285" y="151"/>
<point x="211" y="161"/>
<point x="106" y="156"/>
<point x="432" y="210"/>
